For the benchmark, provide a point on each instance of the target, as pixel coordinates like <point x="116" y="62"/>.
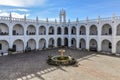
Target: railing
<point x="53" y="22"/>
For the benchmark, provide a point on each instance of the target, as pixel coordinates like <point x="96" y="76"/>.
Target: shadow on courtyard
<point x="33" y="64"/>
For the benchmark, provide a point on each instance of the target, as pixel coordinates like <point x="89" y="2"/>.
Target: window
<point x="0" y="46"/>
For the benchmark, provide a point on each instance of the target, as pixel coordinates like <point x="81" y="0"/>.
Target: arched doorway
<point x="4" y="30"/>
<point x="51" y="30"/>
<point x="4" y="45"/>
<point x="73" y="30"/>
<point x="31" y="44"/>
<point x="42" y="44"/>
<point x="18" y="29"/>
<point x="65" y="30"/>
<point x="31" y="30"/>
<point x="93" y="30"/>
<point x="93" y="45"/>
<point x="59" y="30"/>
<point x="18" y="45"/>
<point x="106" y="46"/>
<point x="59" y="42"/>
<point x="82" y="44"/>
<point x="118" y="47"/>
<point x="82" y="30"/>
<point x="118" y="29"/>
<point x="73" y="42"/>
<point x="106" y="29"/>
<point x="51" y="43"/>
<point x="66" y="42"/>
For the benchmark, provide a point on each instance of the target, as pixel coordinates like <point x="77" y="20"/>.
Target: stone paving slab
<point x="33" y="66"/>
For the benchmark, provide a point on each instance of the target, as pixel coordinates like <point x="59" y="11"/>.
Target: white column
<point x="113" y="37"/>
<point x="55" y="42"/>
<point x="69" y="42"/>
<point x="10" y="34"/>
<point x="87" y="39"/>
<point x="77" y="37"/>
<point x="99" y="37"/>
<point x="47" y="43"/>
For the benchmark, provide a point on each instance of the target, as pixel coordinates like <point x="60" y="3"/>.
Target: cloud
<point x="19" y="9"/>
<point x="14" y="14"/>
<point x="22" y="3"/>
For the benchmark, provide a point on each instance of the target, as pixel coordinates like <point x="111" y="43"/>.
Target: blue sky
<point x="51" y="8"/>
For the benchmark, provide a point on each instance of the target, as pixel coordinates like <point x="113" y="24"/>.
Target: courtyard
<point x="33" y="66"/>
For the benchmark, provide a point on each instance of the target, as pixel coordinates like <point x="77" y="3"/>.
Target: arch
<point x="82" y="44"/>
<point x="82" y="30"/>
<point x="65" y="30"/>
<point x="93" y="45"/>
<point x="66" y="42"/>
<point x="51" y="43"/>
<point x="106" y="29"/>
<point x="4" y="45"/>
<point x="31" y="30"/>
<point x="42" y="30"/>
<point x="18" y="45"/>
<point x="73" y="30"/>
<point x="4" y="29"/>
<point x="42" y="44"/>
<point x="18" y="29"/>
<point x="31" y="43"/>
<point x="73" y="42"/>
<point x="118" y="47"/>
<point x="106" y="46"/>
<point x="59" y="31"/>
<point x="51" y="30"/>
<point x="93" y="30"/>
<point x="59" y="42"/>
<point x="118" y="30"/>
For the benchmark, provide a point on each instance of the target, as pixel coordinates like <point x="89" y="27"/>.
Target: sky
<point x="50" y="8"/>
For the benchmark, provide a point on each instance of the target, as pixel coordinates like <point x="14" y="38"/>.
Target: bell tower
<point x="62" y="16"/>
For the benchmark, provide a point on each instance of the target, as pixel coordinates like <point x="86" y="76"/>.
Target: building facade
<point x="102" y="34"/>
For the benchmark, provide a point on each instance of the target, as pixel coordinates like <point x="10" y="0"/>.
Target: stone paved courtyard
<point x="33" y="66"/>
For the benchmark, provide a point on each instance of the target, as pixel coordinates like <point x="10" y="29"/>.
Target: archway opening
<point x="31" y="30"/>
<point x="93" y="30"/>
<point x="106" y="46"/>
<point x="59" y="42"/>
<point x="73" y="42"/>
<point x="82" y="30"/>
<point x="18" y="45"/>
<point x="42" y="30"/>
<point x="106" y="29"/>
<point x="73" y="30"/>
<point x="31" y="44"/>
<point x="4" y="45"/>
<point x="65" y="30"/>
<point x="4" y="30"/>
<point x="18" y="29"/>
<point x="42" y="44"/>
<point x="51" y="43"/>
<point x="59" y="30"/>
<point x="82" y="44"/>
<point x="66" y="42"/>
<point x="51" y="30"/>
<point x="93" y="45"/>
